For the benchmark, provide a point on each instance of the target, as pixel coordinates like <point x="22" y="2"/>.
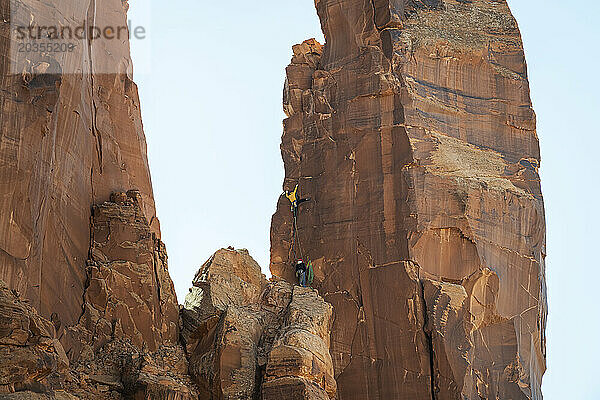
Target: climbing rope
<point x="296" y="246"/>
<point x="296" y="237"/>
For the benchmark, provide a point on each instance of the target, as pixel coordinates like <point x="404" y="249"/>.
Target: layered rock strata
<point x="412" y="131"/>
<point x="247" y="338"/>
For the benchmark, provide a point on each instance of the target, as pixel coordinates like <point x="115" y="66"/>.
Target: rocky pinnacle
<point x="412" y="131"/>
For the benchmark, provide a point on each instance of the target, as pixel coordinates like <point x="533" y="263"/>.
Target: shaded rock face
<point x="247" y="338"/>
<point x="412" y="130"/>
<point x="119" y="370"/>
<point x="67" y="141"/>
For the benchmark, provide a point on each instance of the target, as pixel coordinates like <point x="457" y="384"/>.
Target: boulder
<point x="249" y="338"/>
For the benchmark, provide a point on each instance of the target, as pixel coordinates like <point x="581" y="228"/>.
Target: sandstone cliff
<point x="126" y="340"/>
<point x="69" y="137"/>
<point x="95" y="270"/>
<point x="412" y="130"/>
<point x="88" y="309"/>
<point x="247" y="338"/>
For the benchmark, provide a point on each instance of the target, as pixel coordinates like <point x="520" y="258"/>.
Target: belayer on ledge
<point x="304" y="273"/>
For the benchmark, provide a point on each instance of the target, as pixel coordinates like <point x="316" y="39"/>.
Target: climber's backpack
<point x="310" y="273"/>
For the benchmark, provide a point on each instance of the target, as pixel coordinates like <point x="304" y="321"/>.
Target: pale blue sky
<point x="211" y="104"/>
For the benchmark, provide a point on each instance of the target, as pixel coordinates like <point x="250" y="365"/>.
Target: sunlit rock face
<point x="126" y="341"/>
<point x="70" y="135"/>
<point x="78" y="253"/>
<point x="129" y="293"/>
<point x="412" y="131"/>
<point x="249" y="338"/>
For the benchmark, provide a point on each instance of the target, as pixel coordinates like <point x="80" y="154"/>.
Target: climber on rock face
<point x="301" y="272"/>
<point x="296" y="249"/>
<point x="292" y="197"/>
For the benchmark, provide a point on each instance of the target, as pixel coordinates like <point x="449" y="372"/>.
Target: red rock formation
<point x="88" y="257"/>
<point x="122" y="371"/>
<point x="299" y="364"/>
<point x="94" y="269"/>
<point x="29" y="353"/>
<point x="126" y="340"/>
<point x="412" y="130"/>
<point x="129" y="293"/>
<point x="247" y="338"/>
<point x="67" y="141"/>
